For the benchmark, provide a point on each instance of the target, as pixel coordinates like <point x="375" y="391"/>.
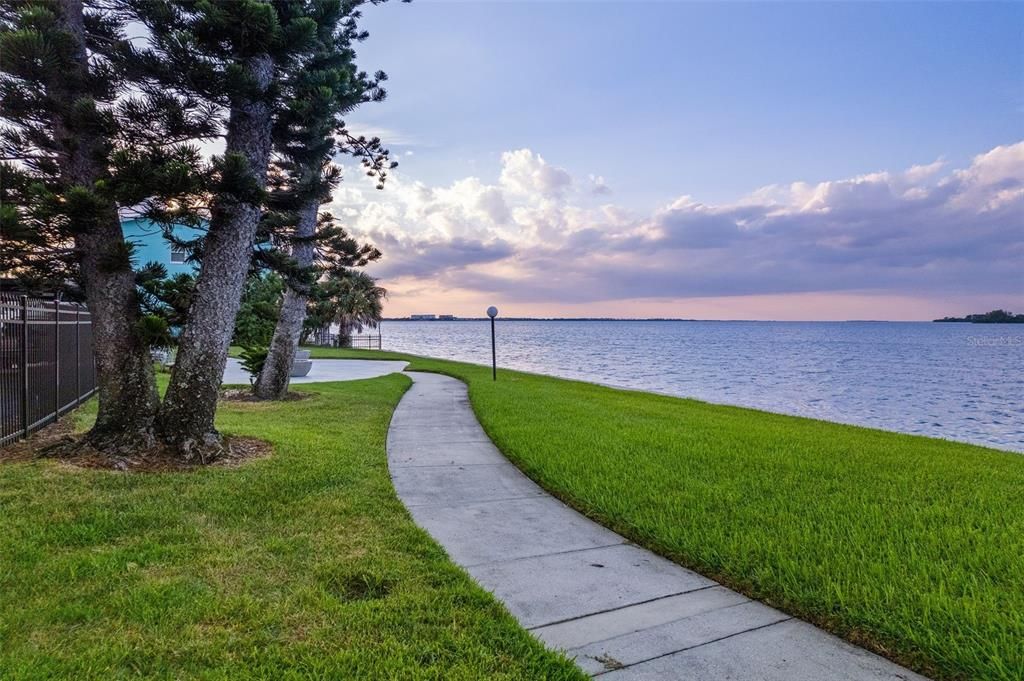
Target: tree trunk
<point x="272" y="383"/>
<point x="186" y="420"/>
<point x="128" y="400"/>
<point x="345" y="328"/>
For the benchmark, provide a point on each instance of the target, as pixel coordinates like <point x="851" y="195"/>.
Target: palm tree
<point x="360" y="303"/>
<point x="352" y="300"/>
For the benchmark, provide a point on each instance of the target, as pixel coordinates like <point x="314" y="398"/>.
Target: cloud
<point x="528" y="174"/>
<point x="598" y="185"/>
<point x="920" y="173"/>
<point x="535" y="237"/>
<point x="993" y="182"/>
<point x="425" y="256"/>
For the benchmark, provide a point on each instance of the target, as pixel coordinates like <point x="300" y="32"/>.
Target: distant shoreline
<point x="667" y="319"/>
<point x="993" y="317"/>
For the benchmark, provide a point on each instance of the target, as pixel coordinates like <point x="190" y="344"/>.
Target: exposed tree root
<point x="59" y="441"/>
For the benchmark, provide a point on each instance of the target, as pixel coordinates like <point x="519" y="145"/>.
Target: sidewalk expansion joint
<point x="694" y="647"/>
<point x="544" y="555"/>
<point x="622" y="607"/>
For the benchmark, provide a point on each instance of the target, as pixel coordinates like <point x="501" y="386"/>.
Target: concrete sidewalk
<point x="324" y="370"/>
<point x="619" y="610"/>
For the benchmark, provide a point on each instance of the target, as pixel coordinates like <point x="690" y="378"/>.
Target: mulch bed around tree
<point x="60" y="442"/>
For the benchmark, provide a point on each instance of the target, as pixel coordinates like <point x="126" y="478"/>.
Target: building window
<point x="178" y="254"/>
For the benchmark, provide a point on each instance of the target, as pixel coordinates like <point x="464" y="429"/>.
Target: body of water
<point x="956" y="381"/>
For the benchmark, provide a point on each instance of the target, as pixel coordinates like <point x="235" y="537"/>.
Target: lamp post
<point x="492" y="312"/>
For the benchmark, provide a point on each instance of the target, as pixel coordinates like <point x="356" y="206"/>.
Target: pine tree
<point x="73" y="153"/>
<point x="327" y="87"/>
<point x="232" y="55"/>
<point x="93" y="125"/>
<point x="241" y="57"/>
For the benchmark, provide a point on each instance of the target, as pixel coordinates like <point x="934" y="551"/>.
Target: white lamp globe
<point x="492" y="312"/>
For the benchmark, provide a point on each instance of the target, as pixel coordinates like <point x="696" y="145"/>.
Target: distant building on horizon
<point x="432" y="317"/>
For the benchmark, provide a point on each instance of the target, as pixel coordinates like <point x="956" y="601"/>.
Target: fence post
<point x="78" y="354"/>
<point x="24" y="365"/>
<point x="56" y="358"/>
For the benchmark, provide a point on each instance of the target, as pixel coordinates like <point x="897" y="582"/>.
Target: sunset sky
<point x="726" y="161"/>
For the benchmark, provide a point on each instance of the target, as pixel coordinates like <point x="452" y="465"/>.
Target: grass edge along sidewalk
<point x="910" y="546"/>
<point x="300" y="565"/>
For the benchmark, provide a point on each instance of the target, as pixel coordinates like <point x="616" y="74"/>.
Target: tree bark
<point x="345" y="328"/>
<point x="273" y="381"/>
<point x="186" y="419"/>
<point x="128" y="399"/>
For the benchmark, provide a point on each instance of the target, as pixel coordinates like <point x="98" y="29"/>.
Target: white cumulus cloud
<point x="526" y="173"/>
<point x="534" y="236"/>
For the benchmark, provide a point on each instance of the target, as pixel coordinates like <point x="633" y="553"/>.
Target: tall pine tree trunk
<point x="128" y="400"/>
<point x="276" y="374"/>
<point x="186" y="419"/>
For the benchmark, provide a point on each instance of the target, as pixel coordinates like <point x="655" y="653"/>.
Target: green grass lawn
<point x="911" y="546"/>
<point x="301" y="565"/>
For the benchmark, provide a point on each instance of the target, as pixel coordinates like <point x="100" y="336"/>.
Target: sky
<point x="696" y="160"/>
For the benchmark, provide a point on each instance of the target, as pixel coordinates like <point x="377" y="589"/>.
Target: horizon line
<point x="661" y="319"/>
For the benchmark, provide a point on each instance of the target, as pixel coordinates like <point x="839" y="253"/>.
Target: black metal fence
<point x="46" y="362"/>
<point x="324" y="338"/>
<point x="364" y="342"/>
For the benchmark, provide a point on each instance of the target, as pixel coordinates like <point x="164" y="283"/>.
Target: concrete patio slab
<point x="620" y="611"/>
<point x="324" y="370"/>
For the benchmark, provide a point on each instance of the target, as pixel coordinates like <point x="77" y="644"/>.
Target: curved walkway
<point x="324" y="370"/>
<point x="619" y="610"/>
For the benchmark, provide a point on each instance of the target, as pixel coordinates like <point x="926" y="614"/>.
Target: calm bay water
<point x="956" y="381"/>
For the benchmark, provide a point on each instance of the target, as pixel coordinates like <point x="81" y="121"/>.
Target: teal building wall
<point x="150" y="245"/>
